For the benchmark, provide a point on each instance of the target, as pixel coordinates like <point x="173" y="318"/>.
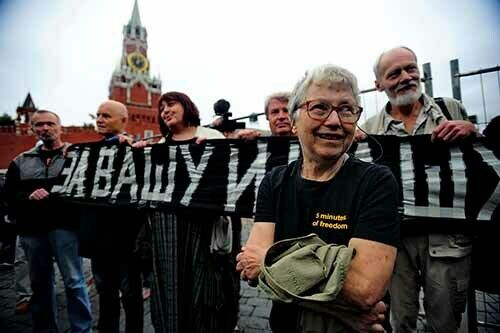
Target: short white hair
<point x="329" y="74"/>
<point x="379" y="58"/>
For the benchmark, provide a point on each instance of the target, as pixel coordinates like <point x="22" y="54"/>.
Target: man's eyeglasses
<point x="319" y="109"/>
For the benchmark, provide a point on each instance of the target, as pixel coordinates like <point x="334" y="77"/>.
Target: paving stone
<point x="249" y="292"/>
<point x="253" y="322"/>
<point x="255" y="305"/>
<point x="480" y="306"/>
<point x="246" y="310"/>
<point x="262" y="312"/>
<point x="253" y="330"/>
<point x="258" y="302"/>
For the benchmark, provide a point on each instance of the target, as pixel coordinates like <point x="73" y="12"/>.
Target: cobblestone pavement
<point x="255" y="305"/>
<point x="12" y="322"/>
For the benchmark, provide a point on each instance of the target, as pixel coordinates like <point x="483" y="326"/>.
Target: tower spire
<point x="28" y="102"/>
<point x="135" y="19"/>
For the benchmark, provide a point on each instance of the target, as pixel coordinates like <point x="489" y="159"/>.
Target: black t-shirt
<point x="48" y="155"/>
<point x="360" y="201"/>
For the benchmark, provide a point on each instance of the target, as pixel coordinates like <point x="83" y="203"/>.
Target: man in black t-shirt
<point x="342" y="199"/>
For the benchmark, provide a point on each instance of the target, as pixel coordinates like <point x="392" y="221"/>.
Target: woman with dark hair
<point x="181" y="119"/>
<point x="195" y="288"/>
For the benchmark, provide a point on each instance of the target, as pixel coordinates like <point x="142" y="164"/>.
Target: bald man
<point x="111" y="119"/>
<point x="112" y="242"/>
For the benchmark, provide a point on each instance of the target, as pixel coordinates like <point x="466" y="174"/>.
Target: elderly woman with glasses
<point x="336" y="196"/>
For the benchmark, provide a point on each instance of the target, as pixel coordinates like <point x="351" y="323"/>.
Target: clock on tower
<point x="131" y="82"/>
<point x="137" y="62"/>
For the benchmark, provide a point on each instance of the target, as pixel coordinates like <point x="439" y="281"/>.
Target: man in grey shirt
<point x="440" y="263"/>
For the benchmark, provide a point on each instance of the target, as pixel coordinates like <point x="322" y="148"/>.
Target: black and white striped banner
<point x="437" y="181"/>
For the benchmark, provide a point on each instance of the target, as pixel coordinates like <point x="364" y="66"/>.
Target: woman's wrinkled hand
<point x="248" y="262"/>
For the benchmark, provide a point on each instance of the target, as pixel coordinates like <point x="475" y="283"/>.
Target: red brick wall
<point x="139" y="94"/>
<point x="119" y="94"/>
<point x="154" y="101"/>
<point x="141" y="119"/>
<point x="12" y="145"/>
<point x="80" y="134"/>
<point x="141" y="116"/>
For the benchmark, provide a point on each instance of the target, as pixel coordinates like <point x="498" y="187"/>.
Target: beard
<point x="408" y="98"/>
<point x="47" y="139"/>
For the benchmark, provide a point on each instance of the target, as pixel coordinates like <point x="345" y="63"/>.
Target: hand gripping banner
<point x="436" y="180"/>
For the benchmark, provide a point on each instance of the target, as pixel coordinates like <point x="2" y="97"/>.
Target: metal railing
<point x="456" y="89"/>
<point x="429" y="90"/>
<point x="456" y="82"/>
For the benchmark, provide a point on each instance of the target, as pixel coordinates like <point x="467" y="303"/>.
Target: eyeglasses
<point x="319" y="109"/>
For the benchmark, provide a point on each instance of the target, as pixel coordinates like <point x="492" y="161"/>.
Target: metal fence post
<point x="428" y="79"/>
<point x="455" y="79"/>
<point x="484" y="101"/>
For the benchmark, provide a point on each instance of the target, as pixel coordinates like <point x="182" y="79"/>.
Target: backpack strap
<point x="442" y="105"/>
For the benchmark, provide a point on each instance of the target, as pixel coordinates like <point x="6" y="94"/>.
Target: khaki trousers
<point x="444" y="282"/>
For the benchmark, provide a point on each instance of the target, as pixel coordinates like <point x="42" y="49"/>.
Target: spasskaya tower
<point x="131" y="83"/>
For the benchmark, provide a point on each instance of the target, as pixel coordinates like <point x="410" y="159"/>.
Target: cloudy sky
<point x="64" y="51"/>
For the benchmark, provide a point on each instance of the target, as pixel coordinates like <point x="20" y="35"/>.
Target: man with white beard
<point x="409" y="110"/>
<point x="440" y="263"/>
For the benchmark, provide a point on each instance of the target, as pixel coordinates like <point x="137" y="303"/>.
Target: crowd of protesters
<point x="195" y="257"/>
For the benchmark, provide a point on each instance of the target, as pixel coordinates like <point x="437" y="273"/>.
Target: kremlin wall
<point x="131" y="84"/>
